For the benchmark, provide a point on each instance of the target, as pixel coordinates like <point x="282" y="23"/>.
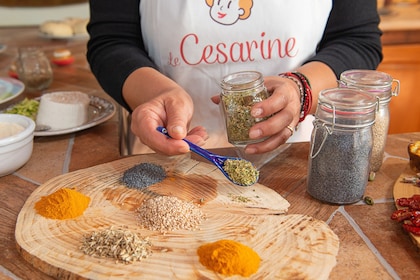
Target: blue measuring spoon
<point x="217" y="160"/>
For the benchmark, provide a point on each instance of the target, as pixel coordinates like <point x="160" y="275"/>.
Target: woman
<point x="164" y="60"/>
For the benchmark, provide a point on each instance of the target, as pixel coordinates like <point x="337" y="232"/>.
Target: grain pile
<point x="168" y="213"/>
<point x="118" y="243"/>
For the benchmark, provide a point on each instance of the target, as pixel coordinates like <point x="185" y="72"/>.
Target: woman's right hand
<point x="172" y="109"/>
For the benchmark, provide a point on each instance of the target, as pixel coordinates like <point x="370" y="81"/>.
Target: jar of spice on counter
<point x="240" y="91"/>
<point x="341" y="145"/>
<point x="34" y="68"/>
<point x="383" y="86"/>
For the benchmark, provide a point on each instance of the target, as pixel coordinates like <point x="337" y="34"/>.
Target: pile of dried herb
<point x="241" y="171"/>
<point x="118" y="243"/>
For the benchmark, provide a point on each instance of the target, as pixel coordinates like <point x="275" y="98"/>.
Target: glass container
<point x="240" y="91"/>
<point x="34" y="69"/>
<point x="384" y="87"/>
<point x="341" y="145"/>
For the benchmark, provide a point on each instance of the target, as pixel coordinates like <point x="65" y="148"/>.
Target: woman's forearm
<point x="320" y="77"/>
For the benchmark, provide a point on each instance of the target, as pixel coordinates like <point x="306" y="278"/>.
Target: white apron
<point x="196" y="43"/>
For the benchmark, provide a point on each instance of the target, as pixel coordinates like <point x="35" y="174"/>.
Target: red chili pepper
<point x="413" y="229"/>
<point x="412" y="202"/>
<point x="401" y="215"/>
<point x="403" y="201"/>
<point x="414" y="205"/>
<point x="415" y="220"/>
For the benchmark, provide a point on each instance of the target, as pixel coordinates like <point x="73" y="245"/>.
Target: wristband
<point x="305" y="92"/>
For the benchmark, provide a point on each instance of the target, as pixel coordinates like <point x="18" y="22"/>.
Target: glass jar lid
<point x="346" y="107"/>
<point x="375" y="82"/>
<point x="242" y="80"/>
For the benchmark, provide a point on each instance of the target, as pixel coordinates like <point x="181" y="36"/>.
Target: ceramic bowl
<point x="15" y="150"/>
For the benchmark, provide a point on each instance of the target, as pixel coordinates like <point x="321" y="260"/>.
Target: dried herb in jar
<point x="240" y="91"/>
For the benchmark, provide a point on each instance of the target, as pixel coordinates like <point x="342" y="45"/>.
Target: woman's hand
<point x="283" y="106"/>
<point x="172" y="109"/>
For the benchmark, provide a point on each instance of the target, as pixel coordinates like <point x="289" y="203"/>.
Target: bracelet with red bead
<point x="305" y="92"/>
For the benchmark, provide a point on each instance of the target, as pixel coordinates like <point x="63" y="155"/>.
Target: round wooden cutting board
<point x="406" y="190"/>
<point x="290" y="246"/>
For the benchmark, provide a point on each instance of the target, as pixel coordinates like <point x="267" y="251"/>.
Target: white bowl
<point x="16" y="150"/>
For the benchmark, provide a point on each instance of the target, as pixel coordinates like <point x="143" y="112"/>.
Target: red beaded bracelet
<point x="305" y="92"/>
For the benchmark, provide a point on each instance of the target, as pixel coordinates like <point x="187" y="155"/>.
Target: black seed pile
<point x="143" y="175"/>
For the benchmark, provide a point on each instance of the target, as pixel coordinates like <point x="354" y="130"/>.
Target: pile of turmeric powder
<point x="63" y="204"/>
<point x="229" y="258"/>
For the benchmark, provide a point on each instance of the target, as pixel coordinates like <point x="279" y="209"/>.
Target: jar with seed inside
<point x="34" y="68"/>
<point x="383" y="87"/>
<point x="240" y="91"/>
<point x="341" y="145"/>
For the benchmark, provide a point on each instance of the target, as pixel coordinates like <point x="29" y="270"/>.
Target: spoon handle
<point x="194" y="148"/>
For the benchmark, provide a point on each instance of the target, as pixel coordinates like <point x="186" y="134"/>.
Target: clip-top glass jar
<point x="341" y="145"/>
<point x="240" y="91"/>
<point x="383" y="86"/>
<point x="34" y="68"/>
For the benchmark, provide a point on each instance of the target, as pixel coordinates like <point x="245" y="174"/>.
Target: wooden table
<point x="371" y="245"/>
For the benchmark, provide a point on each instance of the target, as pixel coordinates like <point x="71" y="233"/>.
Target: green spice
<point x="118" y="243"/>
<point x="368" y="200"/>
<point x="27" y="107"/>
<point x="239" y="198"/>
<point x="241" y="171"/>
<point x="237" y="108"/>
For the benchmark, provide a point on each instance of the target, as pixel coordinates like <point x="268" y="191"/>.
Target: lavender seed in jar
<point x="143" y="175"/>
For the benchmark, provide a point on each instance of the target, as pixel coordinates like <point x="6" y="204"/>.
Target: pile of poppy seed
<point x="143" y="175"/>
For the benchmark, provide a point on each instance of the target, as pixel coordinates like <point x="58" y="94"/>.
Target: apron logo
<point x="228" y="12"/>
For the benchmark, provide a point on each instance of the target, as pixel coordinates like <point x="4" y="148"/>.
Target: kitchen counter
<point x="400" y="24"/>
<point x="372" y="246"/>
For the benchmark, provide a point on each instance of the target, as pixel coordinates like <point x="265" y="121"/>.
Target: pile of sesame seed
<point x="168" y="213"/>
<point x="143" y="175"/>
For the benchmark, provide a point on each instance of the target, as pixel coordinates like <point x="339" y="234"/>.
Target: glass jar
<point x="34" y="68"/>
<point x="383" y="86"/>
<point x="341" y="145"/>
<point x="240" y="91"/>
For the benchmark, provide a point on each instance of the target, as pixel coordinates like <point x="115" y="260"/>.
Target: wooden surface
<point x="372" y="246"/>
<point x="283" y="241"/>
<point x="406" y="190"/>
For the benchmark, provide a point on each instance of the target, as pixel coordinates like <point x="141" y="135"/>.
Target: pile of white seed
<point x="168" y="213"/>
<point x="118" y="243"/>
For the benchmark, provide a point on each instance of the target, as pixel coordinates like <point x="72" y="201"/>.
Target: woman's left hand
<point x="283" y="106"/>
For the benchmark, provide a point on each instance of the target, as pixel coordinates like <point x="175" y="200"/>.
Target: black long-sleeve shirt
<point x="351" y="40"/>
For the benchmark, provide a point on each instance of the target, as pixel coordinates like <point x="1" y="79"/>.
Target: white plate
<point x="100" y="110"/>
<point x="10" y="87"/>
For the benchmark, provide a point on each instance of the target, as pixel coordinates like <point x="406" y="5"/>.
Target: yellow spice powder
<point x="63" y="204"/>
<point x="229" y="258"/>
